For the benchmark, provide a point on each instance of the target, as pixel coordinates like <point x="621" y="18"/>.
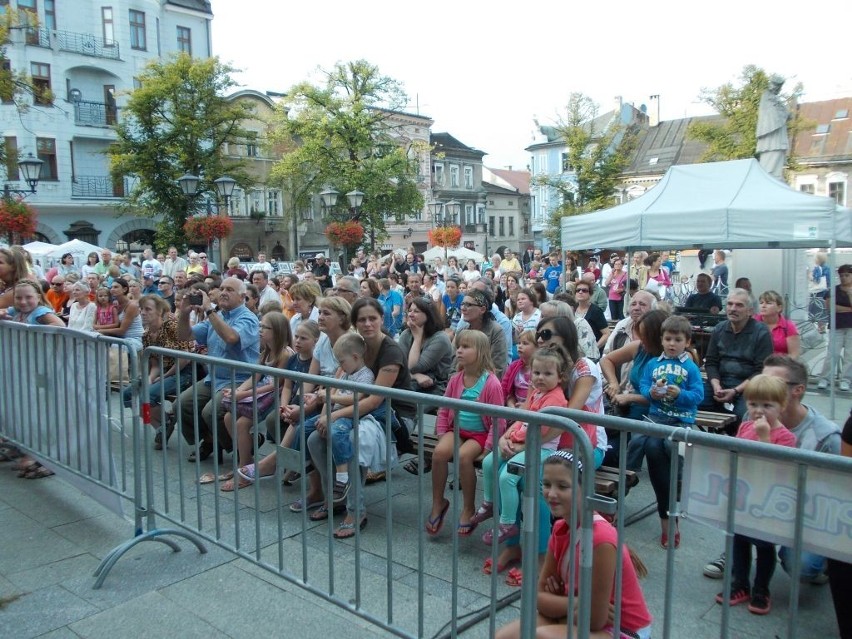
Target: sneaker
<point x="844" y="384"/>
<point x="738" y="596"/>
<point x="760" y="604"/>
<point x="823" y="384"/>
<point x="341" y="491"/>
<point x="716" y="568"/>
<point x="819" y="580"/>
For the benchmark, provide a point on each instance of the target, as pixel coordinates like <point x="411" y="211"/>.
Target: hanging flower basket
<point x="17" y="219"/>
<point x="207" y="229"/>
<point x="446" y="236"/>
<point x="345" y="233"/>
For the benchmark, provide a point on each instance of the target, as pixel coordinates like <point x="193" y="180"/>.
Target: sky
<point x="484" y="71"/>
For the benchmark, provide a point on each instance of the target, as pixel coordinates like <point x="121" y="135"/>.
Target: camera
<point x="515" y="468"/>
<point x="196" y="299"/>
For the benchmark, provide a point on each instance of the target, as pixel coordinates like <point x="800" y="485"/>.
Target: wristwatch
<point x="210" y="311"/>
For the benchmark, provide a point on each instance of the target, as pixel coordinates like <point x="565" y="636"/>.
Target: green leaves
<point x="343" y="134"/>
<point x="178" y="121"/>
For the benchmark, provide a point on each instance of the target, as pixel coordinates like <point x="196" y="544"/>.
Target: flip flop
<point x="228" y="486"/>
<point x="209" y="478"/>
<point x="433" y="526"/>
<point x="515" y="578"/>
<point x="487" y="566"/>
<point x="346" y="530"/>
<point x="249" y="473"/>
<point x="297" y="506"/>
<point x="466" y="530"/>
<point x="37" y="471"/>
<point x="322" y="513"/>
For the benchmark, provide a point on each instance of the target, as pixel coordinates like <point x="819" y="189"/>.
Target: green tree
<point x="177" y="122"/>
<point x="598" y="151"/>
<point x="735" y="137"/>
<point x="342" y="134"/>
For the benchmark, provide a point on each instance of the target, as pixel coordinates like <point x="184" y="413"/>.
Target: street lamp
<point x="30" y="168"/>
<point x="329" y="198"/>
<point x="224" y="189"/>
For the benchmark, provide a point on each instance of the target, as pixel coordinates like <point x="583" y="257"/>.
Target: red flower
<point x="208" y="228"/>
<point x="18" y="218"/>
<point x="345" y="233"/>
<point x="446" y="236"/>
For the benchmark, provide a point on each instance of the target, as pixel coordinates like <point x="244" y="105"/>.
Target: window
<point x="252" y="150"/>
<point x="184" y="40"/>
<point x="822" y="129"/>
<point x="491" y="226"/>
<point x="454" y="176"/>
<point x="12" y="159"/>
<point x="468" y="214"/>
<point x="468" y="177"/>
<point x="511" y="227"/>
<point x="807" y="188"/>
<point x="480" y="215"/>
<point x="566" y="164"/>
<point x="50" y="14"/>
<point x="137" y="30"/>
<point x="108" y="26"/>
<point x="237" y="203"/>
<point x="46" y="150"/>
<point x="4" y="5"/>
<point x="841" y="114"/>
<point x="257" y="201"/>
<point x="273" y="202"/>
<point x="510" y="203"/>
<point x="502" y="226"/>
<point x="40" y="73"/>
<point x="438" y="170"/>
<point x="6" y="70"/>
<point x="837" y="190"/>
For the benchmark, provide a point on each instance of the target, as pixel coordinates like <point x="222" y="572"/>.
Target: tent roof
<point x="714" y="205"/>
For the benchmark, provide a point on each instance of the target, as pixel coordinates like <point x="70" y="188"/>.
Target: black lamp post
<point x="329" y="197"/>
<point x="30" y="168"/>
<point x="224" y="189"/>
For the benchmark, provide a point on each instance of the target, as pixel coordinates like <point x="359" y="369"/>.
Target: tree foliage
<point x="597" y="153"/>
<point x="178" y="122"/>
<point x="735" y="137"/>
<point x="342" y="134"/>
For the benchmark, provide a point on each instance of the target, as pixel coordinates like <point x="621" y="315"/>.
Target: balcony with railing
<point x="98" y="186"/>
<point x="83" y="43"/>
<point x="94" y="113"/>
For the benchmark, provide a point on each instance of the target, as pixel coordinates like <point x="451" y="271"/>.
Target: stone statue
<point x="772" y="141"/>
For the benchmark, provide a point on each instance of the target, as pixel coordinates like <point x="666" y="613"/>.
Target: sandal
<point x="228" y="486"/>
<point x="298" y="506"/>
<point x="487" y="567"/>
<point x="36" y="471"/>
<point x="346" y="530"/>
<point x="485" y="512"/>
<point x="9" y="453"/>
<point x="249" y="473"/>
<point x="413" y="466"/>
<point x="515" y="578"/>
<point x="374" y="477"/>
<point x="322" y="513"/>
<point x="25" y="466"/>
<point x="433" y="526"/>
<point x="466" y="530"/>
<point x="209" y="478"/>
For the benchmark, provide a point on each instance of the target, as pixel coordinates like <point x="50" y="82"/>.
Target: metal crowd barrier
<point x="56" y="407"/>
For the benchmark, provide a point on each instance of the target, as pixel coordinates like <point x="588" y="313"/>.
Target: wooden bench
<point x="711" y="422"/>
<point x="606" y="478"/>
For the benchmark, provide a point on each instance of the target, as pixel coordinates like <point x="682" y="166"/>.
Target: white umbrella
<point x="459" y="252"/>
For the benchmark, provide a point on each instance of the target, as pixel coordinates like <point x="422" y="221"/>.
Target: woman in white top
<point x="471" y="274"/>
<point x="82" y="315"/>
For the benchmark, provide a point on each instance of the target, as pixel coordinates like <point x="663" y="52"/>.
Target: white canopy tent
<point x="719" y="205"/>
<point x="732" y="204"/>
<point x="460" y="252"/>
<point x="79" y="249"/>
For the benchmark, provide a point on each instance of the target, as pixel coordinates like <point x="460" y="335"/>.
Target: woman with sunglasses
<point x="590" y="312"/>
<point x="476" y="311"/>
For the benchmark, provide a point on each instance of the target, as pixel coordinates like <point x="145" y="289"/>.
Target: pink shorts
<point x="480" y="437"/>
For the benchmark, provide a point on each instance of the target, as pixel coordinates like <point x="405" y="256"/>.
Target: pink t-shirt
<point x="779" y="436"/>
<point x="634" y="611"/>
<point x="782" y="330"/>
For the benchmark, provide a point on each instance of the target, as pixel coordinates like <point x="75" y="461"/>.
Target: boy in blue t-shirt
<point x="672" y="383"/>
<point x="553" y="273"/>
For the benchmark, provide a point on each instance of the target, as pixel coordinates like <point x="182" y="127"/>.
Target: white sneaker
<point x="844" y="384"/>
<point x="823" y="384"/>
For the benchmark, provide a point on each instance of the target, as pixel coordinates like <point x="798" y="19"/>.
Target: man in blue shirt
<point x="553" y="273"/>
<point x="229" y="331"/>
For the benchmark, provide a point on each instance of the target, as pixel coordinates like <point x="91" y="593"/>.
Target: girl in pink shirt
<point x="553" y="585"/>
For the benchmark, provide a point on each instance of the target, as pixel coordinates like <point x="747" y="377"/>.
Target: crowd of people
<point x="526" y="331"/>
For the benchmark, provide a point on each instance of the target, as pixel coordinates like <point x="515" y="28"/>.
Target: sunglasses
<point x="581" y="290"/>
<point x="544" y="335"/>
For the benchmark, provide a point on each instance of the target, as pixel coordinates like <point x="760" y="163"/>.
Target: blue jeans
<point x="341" y="444"/>
<point x="163" y="387"/>
<point x="812" y="564"/>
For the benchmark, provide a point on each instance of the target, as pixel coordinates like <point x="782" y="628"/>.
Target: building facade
<point x="823" y="151"/>
<point x="508" y="210"/>
<point x="87" y="55"/>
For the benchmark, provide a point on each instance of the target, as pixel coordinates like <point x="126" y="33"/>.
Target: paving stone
<point x="41" y="611"/>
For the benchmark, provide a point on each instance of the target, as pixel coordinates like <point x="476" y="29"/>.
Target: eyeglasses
<point x="469" y="304"/>
<point x="581" y="290"/>
<point x="163" y="282"/>
<point x="544" y="335"/>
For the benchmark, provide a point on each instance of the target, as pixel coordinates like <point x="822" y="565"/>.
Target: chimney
<point x="654" y="111"/>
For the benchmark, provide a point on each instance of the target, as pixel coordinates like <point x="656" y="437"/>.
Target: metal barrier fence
<point x="256" y="524"/>
<point x="56" y="407"/>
